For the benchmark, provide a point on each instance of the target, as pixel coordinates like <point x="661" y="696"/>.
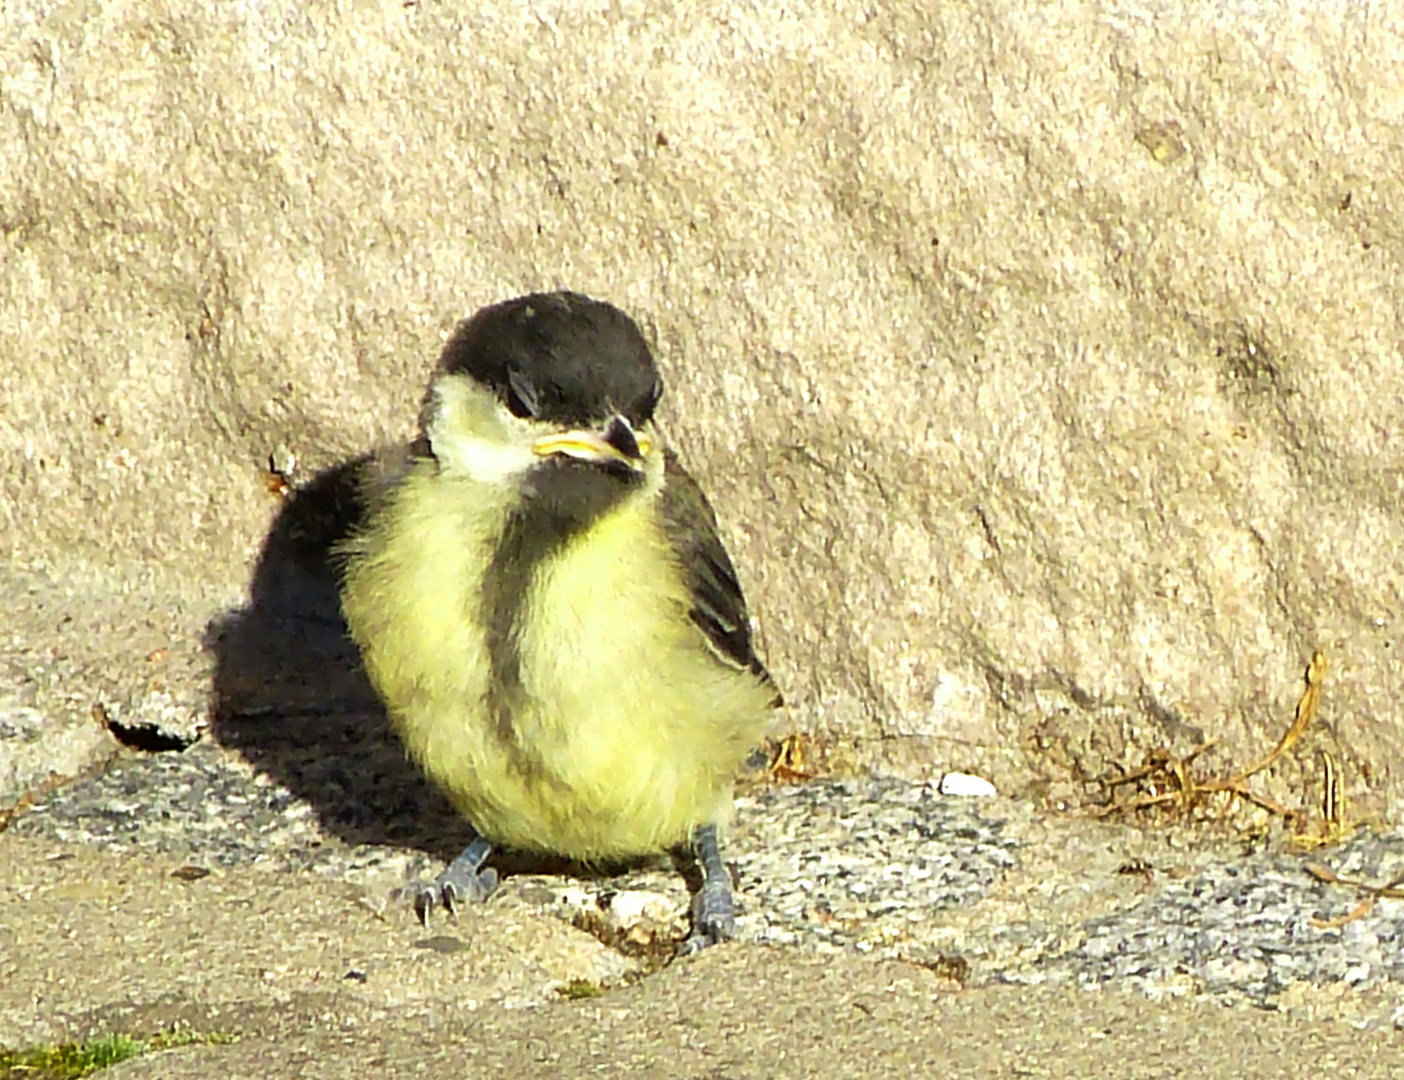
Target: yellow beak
<point x="595" y="445"/>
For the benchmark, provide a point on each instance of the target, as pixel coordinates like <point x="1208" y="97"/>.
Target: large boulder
<point x="1043" y="361"/>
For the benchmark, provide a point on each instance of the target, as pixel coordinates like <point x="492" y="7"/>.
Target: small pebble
<point x="959" y="783"/>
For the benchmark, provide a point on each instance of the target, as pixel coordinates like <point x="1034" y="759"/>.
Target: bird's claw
<point x="465" y="881"/>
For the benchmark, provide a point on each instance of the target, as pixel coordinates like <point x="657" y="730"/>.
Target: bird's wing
<point x="718" y="606"/>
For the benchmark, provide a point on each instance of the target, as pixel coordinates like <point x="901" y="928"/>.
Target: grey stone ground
<point x="316" y="984"/>
<point x="878" y="914"/>
<point x="885" y="868"/>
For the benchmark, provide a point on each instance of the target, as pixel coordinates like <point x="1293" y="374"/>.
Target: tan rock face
<point x="1045" y="366"/>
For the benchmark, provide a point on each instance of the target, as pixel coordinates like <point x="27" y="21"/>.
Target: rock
<point x="1044" y="363"/>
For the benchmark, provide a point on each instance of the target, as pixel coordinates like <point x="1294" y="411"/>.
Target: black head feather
<point x="558" y="357"/>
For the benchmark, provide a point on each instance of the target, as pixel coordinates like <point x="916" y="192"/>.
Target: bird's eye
<point x="642" y="410"/>
<point x="522" y="397"/>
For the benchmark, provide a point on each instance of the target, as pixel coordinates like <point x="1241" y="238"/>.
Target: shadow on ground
<point x="290" y="695"/>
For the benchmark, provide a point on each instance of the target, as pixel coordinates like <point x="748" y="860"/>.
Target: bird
<point x="543" y="603"/>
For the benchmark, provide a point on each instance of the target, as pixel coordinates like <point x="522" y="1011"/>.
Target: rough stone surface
<point x="982" y="891"/>
<point x="307" y="980"/>
<point x="84" y="670"/>
<point x="1044" y="359"/>
<point x="189" y="935"/>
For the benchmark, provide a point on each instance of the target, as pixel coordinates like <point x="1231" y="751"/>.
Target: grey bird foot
<point x="713" y="908"/>
<point x="465" y="880"/>
<point x="713" y="918"/>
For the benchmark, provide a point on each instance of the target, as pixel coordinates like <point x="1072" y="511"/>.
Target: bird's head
<point x="553" y="393"/>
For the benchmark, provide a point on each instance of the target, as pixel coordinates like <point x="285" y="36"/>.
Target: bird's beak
<point x="617" y="442"/>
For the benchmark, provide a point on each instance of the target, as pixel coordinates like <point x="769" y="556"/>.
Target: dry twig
<point x="1168" y="781"/>
<point x="1393" y="889"/>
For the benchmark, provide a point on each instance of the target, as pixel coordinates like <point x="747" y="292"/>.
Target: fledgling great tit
<point x="543" y="603"/>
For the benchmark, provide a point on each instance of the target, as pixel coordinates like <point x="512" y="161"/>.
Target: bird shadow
<point x="291" y="697"/>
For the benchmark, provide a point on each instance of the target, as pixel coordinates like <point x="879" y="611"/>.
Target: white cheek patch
<point x="469" y="436"/>
<point x="481" y="459"/>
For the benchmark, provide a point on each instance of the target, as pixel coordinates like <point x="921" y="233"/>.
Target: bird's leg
<point x="713" y="909"/>
<point x="464" y="879"/>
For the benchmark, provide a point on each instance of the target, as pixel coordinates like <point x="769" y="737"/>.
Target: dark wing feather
<point x="718" y="607"/>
